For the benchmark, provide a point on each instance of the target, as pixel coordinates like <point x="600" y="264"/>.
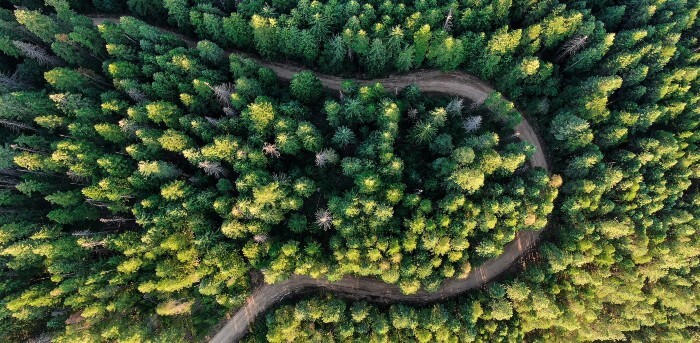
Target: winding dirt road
<point x="267" y="296"/>
<point x="453" y="83"/>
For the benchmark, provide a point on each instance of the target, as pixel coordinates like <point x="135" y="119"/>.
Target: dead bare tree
<point x="212" y="121"/>
<point x="136" y="95"/>
<point x="36" y="53"/>
<point x="260" y="238"/>
<point x="20" y="148"/>
<point x="97" y="79"/>
<point x="97" y="203"/>
<point x="214" y="169"/>
<point x="324" y="219"/>
<point x="448" y="21"/>
<point x="412" y="114"/>
<point x="573" y="45"/>
<point x="12" y="81"/>
<point x="280" y="177"/>
<point x="326" y="156"/>
<point x="77" y="179"/>
<point x="223" y="93"/>
<point x="15" y="125"/>
<point x="116" y="220"/>
<point x="229" y="111"/>
<point x="271" y="150"/>
<point x="472" y="123"/>
<point x="455" y="106"/>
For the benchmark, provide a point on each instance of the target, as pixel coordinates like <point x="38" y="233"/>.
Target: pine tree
<point x="306" y="87"/>
<point x="573" y="131"/>
<point x="377" y="58"/>
<point x="421" y="40"/>
<point x="447" y="55"/>
<point x="264" y="35"/>
<point x="178" y="12"/>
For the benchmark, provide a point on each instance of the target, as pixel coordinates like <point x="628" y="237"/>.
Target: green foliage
<point x="211" y="52"/>
<point x="343" y="136"/>
<point x="377" y="58"/>
<point x="41" y="25"/>
<point x="237" y="31"/>
<point x="448" y="54"/>
<point x="306" y="87"/>
<point x="134" y="168"/>
<point x="264" y="35"/>
<point x="146" y="8"/>
<point x="175" y="141"/>
<point x="163" y="112"/>
<point x="68" y="80"/>
<point x="259" y="115"/>
<point x="158" y="169"/>
<point x="331" y="318"/>
<point x="421" y="39"/>
<point x="572" y="131"/>
<point x="178" y="13"/>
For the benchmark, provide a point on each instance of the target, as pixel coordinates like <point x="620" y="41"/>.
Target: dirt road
<point x="368" y="288"/>
<point x="453" y="83"/>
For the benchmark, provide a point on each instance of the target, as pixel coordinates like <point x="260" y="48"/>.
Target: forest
<point x="148" y="185"/>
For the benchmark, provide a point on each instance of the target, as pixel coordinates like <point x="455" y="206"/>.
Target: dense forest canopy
<point x="147" y="187"/>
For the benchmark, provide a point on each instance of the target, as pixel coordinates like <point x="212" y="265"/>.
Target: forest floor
<point x="452" y="83"/>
